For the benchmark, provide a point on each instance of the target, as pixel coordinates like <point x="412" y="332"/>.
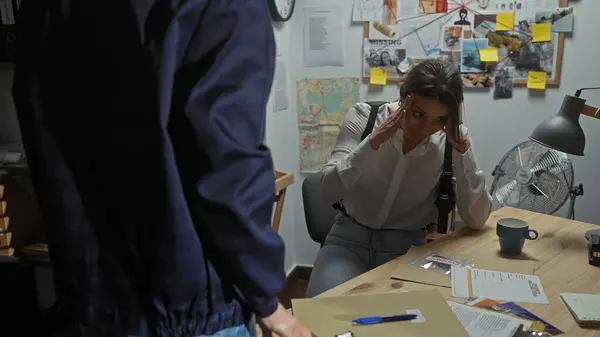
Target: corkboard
<point x="519" y="83"/>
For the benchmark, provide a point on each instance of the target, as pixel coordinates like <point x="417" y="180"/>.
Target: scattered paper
<point x="378" y="76"/>
<point x="419" y="319"/>
<point x="541" y="32"/>
<point x="489" y="54"/>
<point x="280" y="92"/>
<point x="505" y="21"/>
<point x="323" y="40"/>
<point x="484" y="323"/>
<point x="536" y="80"/>
<point x="514" y="309"/>
<point x="367" y="10"/>
<point x="495" y="285"/>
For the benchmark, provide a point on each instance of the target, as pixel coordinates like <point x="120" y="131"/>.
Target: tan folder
<point x="415" y="273"/>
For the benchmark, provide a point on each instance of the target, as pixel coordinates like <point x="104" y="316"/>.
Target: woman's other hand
<point x="463" y="145"/>
<point x="386" y="130"/>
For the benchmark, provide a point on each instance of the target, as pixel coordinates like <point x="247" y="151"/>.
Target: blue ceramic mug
<point x="512" y="234"/>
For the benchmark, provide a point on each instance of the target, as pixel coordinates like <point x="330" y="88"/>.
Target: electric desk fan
<point x="535" y="178"/>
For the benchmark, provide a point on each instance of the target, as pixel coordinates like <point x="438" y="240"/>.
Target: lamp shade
<point x="563" y="131"/>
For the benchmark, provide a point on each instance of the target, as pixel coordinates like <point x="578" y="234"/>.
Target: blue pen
<point x="383" y="319"/>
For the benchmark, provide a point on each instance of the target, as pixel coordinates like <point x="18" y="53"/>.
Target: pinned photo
<point x="452" y="38"/>
<point x="561" y="19"/>
<point x="433" y="6"/>
<point x="505" y="40"/>
<point x="532" y="56"/>
<point x="383" y="54"/>
<point x="503" y="83"/>
<point x="463" y="21"/>
<point x="453" y="57"/>
<point x="477" y="80"/>
<point x="483" y="24"/>
<point x="471" y="62"/>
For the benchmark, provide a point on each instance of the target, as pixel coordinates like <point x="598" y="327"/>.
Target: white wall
<point x="496" y="126"/>
<point x="282" y="139"/>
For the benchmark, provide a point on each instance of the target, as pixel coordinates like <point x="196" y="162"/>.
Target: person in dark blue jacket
<point x="143" y="124"/>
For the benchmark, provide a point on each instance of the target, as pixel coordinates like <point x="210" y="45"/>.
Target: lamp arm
<point x="591" y="111"/>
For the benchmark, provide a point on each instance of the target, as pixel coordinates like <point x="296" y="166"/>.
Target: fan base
<point x="589" y="233"/>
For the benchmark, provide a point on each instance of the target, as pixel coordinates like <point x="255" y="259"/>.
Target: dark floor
<point x="294" y="289"/>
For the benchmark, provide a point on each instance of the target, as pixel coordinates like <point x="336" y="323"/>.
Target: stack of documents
<point x="495" y="285"/>
<point x="481" y="322"/>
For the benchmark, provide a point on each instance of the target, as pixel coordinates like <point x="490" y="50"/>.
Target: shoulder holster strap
<point x="368" y="129"/>
<point x="446" y="199"/>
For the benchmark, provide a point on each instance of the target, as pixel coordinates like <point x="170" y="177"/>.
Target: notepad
<point x="378" y="76"/>
<point x="505" y="21"/>
<point x="585" y="308"/>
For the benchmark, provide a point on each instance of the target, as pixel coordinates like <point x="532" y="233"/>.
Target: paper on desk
<point x="484" y="323"/>
<point x="495" y="285"/>
<point x="323" y="40"/>
<point x="414" y="273"/>
<point x="333" y="315"/>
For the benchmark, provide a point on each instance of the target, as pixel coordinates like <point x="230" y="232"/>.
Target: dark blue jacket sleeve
<point x="227" y="109"/>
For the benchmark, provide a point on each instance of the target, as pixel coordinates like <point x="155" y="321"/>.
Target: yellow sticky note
<point x="378" y="76"/>
<point x="537" y="80"/>
<point x="505" y="21"/>
<point x="488" y="54"/>
<point x="541" y="32"/>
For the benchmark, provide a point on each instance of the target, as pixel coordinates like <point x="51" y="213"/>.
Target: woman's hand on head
<point x="386" y="130"/>
<point x="463" y="145"/>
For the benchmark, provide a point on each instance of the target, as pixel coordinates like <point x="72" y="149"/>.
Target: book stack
<point x="5" y="236"/>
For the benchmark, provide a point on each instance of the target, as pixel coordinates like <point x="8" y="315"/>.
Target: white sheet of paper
<point x="367" y="10"/>
<point x="485" y="323"/>
<point x="495" y="285"/>
<point x="408" y="8"/>
<point x="280" y="92"/>
<point x="323" y="40"/>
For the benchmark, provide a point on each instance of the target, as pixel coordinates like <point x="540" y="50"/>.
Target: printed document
<point x="484" y="323"/>
<point x="495" y="285"/>
<point x="323" y="40"/>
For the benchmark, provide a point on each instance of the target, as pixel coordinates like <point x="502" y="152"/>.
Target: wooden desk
<point x="560" y="256"/>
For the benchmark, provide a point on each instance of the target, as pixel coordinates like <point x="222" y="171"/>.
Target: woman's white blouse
<point x="386" y="189"/>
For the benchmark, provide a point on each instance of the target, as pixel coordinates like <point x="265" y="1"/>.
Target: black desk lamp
<point x="563" y="131"/>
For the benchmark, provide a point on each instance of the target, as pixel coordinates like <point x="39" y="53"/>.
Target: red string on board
<point x="463" y="4"/>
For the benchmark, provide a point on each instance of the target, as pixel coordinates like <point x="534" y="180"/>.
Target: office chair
<point x="319" y="214"/>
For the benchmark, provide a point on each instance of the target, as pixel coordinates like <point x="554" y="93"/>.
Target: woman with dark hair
<point x="387" y="183"/>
